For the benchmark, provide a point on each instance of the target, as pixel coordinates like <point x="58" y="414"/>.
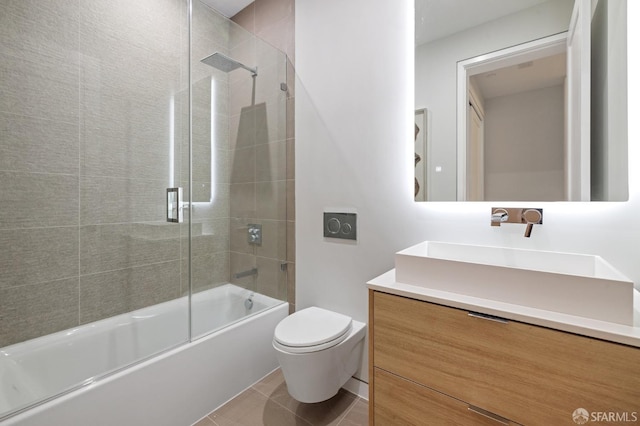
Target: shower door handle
<point x="174" y="205"/>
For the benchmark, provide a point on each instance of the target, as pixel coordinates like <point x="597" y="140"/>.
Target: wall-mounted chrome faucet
<point x="499" y="215"/>
<point x="527" y="216"/>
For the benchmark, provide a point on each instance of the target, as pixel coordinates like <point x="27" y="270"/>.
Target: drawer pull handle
<point x="488" y="414"/>
<point x="488" y="317"/>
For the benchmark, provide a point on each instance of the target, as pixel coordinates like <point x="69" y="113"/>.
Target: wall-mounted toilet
<point x="318" y="351"/>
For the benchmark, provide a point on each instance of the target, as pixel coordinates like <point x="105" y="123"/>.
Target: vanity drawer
<point x="529" y="374"/>
<point x="400" y="402"/>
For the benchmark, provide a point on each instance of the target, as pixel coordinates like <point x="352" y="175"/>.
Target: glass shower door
<point x="107" y="105"/>
<point x="93" y="118"/>
<point x="239" y="163"/>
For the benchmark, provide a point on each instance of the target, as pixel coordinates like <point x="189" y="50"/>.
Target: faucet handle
<point x="532" y="216"/>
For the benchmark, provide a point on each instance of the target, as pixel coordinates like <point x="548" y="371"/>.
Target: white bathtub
<point x="174" y="388"/>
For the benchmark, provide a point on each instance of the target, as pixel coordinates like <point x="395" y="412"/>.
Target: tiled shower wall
<point x="250" y="157"/>
<point x="274" y="22"/>
<point x="93" y="128"/>
<point x="210" y="116"/>
<point x="85" y="139"/>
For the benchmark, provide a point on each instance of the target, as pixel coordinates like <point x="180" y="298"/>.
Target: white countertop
<point x="629" y="335"/>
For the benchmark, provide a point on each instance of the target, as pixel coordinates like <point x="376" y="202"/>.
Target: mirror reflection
<point x="521" y="100"/>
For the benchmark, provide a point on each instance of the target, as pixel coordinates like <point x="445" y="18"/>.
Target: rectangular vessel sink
<point x="575" y="284"/>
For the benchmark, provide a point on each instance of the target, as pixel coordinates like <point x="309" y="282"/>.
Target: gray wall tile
<point x="34" y="27"/>
<point x="243" y="200"/>
<point x="274" y="239"/>
<point x="271" y="200"/>
<point x="271" y="12"/>
<point x="41" y="86"/>
<point x="243" y="165"/>
<point x="271" y="161"/>
<point x="238" y="235"/>
<point x="271" y="280"/>
<point x="201" y="163"/>
<point x="269" y="58"/>
<point x="291" y="157"/>
<point x="203" y="209"/>
<point x="242" y="91"/>
<point x="291" y="241"/>
<point x="36" y="255"/>
<point x="31" y="144"/>
<point x="208" y="271"/>
<point x="122" y="21"/>
<point x="111" y="293"/>
<point x="203" y="89"/>
<point x="121" y="246"/>
<point x="291" y="200"/>
<point x="213" y="238"/>
<point x="150" y="76"/>
<point x="115" y="200"/>
<point x="37" y="200"/>
<point x="137" y="143"/>
<point x="209" y="28"/>
<point x="240" y="262"/>
<point x="35" y="310"/>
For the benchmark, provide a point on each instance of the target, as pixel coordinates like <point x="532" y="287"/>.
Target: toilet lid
<point x="310" y="327"/>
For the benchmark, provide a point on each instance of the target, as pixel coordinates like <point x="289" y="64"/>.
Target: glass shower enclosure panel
<point x="106" y="106"/>
<point x="93" y="125"/>
<point x="239" y="154"/>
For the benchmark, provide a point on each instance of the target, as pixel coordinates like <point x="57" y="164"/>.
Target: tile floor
<point x="268" y="403"/>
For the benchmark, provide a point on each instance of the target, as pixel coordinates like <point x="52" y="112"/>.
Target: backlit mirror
<point x="521" y="100"/>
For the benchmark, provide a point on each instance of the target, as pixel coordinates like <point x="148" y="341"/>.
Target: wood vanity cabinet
<point x="434" y="365"/>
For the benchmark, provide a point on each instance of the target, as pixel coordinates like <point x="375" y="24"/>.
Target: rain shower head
<point x="226" y="64"/>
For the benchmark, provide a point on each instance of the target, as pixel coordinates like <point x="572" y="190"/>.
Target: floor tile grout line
<point x="260" y="392"/>
<point x="268" y="398"/>
<point x="253" y="388"/>
<point x="286" y="408"/>
<point x="348" y="410"/>
<point x="341" y="418"/>
<point x="281" y="405"/>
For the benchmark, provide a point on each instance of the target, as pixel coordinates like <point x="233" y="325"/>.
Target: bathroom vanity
<point x="438" y="357"/>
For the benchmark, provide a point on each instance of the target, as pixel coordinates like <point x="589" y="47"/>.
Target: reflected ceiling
<point x="440" y="18"/>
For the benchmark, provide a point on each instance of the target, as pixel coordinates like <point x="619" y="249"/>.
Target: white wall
<point x="524" y="145"/>
<point x="609" y="109"/>
<point x="354" y="148"/>
<point x="436" y="76"/>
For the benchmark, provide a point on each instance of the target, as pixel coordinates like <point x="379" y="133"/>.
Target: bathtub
<point x="170" y="387"/>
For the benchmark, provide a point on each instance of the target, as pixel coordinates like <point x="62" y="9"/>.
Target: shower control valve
<point x="254" y="234"/>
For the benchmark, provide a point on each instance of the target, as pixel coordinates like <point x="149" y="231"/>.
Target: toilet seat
<point x="311" y="329"/>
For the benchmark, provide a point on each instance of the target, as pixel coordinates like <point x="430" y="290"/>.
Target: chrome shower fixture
<point x="226" y="64"/>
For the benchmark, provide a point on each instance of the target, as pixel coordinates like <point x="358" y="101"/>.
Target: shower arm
<point x="253" y="71"/>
